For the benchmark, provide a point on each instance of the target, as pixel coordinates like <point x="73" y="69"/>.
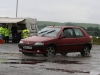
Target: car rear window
<point x="78" y="32"/>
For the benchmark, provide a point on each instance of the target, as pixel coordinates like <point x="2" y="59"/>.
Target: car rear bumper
<point x="32" y="49"/>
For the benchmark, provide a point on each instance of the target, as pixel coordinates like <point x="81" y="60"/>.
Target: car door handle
<point x="76" y="40"/>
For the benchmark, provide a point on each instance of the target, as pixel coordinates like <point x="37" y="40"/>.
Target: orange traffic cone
<point x="1" y="41"/>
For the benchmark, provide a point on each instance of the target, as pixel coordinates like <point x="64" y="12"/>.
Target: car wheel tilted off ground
<point x="85" y="51"/>
<point x="50" y="51"/>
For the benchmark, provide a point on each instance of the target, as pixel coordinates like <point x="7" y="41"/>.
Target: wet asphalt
<point x="13" y="62"/>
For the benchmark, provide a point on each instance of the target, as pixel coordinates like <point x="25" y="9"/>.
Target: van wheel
<point x="27" y="54"/>
<point x="85" y="51"/>
<point x="63" y="54"/>
<point x="50" y="51"/>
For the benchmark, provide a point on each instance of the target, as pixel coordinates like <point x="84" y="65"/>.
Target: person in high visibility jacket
<point x="2" y="31"/>
<point x="7" y="34"/>
<point x="1" y="36"/>
<point x="25" y="33"/>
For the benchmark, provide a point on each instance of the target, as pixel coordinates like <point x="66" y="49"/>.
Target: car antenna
<point x="54" y="24"/>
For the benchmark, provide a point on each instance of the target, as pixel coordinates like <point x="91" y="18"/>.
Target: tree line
<point x="93" y="31"/>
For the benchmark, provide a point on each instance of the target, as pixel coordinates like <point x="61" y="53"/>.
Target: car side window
<point x="68" y="33"/>
<point x="78" y="32"/>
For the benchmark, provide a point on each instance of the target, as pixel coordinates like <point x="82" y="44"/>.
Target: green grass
<point x="85" y="25"/>
<point x="49" y="23"/>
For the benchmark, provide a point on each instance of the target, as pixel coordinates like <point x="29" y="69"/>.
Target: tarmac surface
<point x="13" y="62"/>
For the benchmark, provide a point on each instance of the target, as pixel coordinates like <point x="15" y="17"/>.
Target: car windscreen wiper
<point x="43" y="31"/>
<point x="50" y="31"/>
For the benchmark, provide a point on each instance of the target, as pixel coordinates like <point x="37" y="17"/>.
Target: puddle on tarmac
<point x="35" y="61"/>
<point x="65" y="70"/>
<point x="9" y="62"/>
<point x="23" y="61"/>
<point x="20" y="62"/>
<point x="67" y="62"/>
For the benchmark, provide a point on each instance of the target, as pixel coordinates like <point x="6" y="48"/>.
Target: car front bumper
<point x="29" y="48"/>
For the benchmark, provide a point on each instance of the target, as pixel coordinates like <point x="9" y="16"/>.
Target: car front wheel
<point x="85" y="51"/>
<point x="50" y="51"/>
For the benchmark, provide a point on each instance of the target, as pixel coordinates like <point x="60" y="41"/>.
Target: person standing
<point x="1" y="37"/>
<point x="7" y="34"/>
<point x="14" y="32"/>
<point x="25" y="33"/>
<point x="2" y="31"/>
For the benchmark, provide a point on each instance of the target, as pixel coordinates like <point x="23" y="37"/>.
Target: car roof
<point x="64" y="26"/>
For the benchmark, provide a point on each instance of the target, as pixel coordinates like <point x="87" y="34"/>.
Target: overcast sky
<point x="81" y="11"/>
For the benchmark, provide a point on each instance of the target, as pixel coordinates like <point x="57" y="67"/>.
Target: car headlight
<point x="39" y="43"/>
<point x="21" y="42"/>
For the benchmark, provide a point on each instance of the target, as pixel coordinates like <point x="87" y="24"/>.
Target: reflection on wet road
<point x="12" y="61"/>
<point x="73" y="59"/>
<point x="34" y="61"/>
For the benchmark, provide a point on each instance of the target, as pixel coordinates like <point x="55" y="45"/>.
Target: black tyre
<point x="85" y="51"/>
<point x="50" y="51"/>
<point x="27" y="54"/>
<point x="63" y="54"/>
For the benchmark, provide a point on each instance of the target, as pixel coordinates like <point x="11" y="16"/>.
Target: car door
<point x="72" y="41"/>
<point x="79" y="40"/>
<point x="66" y="44"/>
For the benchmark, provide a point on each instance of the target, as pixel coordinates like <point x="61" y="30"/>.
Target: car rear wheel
<point x="85" y="51"/>
<point x="50" y="51"/>
<point x="27" y="54"/>
<point x="63" y="54"/>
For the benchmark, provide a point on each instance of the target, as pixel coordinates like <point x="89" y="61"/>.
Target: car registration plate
<point x="27" y="47"/>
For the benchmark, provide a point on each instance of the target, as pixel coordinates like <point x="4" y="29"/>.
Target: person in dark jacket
<point x="14" y="32"/>
<point x="7" y="34"/>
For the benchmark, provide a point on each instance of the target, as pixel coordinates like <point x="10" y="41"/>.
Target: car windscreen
<point x="47" y="31"/>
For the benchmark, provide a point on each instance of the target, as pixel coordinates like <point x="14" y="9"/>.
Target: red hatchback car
<point x="57" y="39"/>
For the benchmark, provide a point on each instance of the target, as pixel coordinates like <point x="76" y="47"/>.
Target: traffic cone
<point x="1" y="41"/>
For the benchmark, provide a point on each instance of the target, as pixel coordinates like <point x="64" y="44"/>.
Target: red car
<point x="57" y="39"/>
